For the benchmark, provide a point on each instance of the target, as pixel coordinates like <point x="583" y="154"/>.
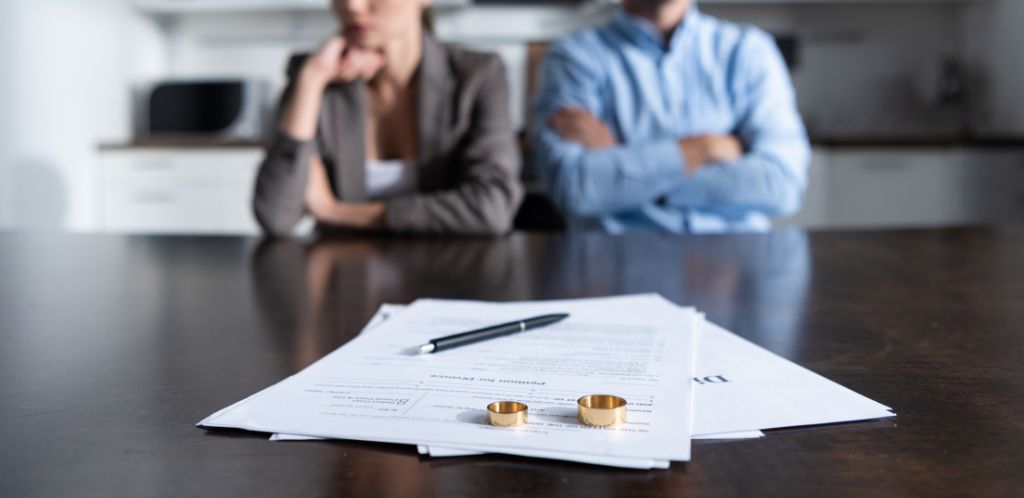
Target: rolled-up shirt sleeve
<point x="771" y="176"/>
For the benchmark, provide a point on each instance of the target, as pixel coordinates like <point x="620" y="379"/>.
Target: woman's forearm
<point x="299" y="119"/>
<point x="357" y="215"/>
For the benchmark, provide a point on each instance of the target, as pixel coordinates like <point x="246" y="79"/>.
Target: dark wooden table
<point x="111" y="348"/>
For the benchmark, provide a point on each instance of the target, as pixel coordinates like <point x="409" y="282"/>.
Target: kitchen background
<point x="915" y="107"/>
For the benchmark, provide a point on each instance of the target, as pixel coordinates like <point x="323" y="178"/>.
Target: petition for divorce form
<point x="376" y="387"/>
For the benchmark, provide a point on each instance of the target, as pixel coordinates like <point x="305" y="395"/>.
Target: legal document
<point x="377" y="388"/>
<point x="739" y="385"/>
<point x="738" y="388"/>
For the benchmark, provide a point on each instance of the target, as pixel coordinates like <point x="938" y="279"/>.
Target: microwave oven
<point x="229" y="109"/>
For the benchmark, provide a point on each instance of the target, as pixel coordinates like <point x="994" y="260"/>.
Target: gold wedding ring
<point x="601" y="410"/>
<point x="506" y="413"/>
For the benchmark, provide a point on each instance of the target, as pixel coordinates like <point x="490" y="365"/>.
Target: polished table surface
<point x="113" y="347"/>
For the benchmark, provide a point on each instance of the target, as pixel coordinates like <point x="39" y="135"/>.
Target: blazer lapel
<point x="435" y="86"/>
<point x="348" y="131"/>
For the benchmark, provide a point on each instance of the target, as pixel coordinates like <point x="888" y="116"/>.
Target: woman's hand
<point x="320" y="200"/>
<point x="336" y="60"/>
<point x="333" y="61"/>
<point x="327" y="210"/>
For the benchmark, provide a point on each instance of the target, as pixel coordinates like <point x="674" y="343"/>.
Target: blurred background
<point x="915" y="107"/>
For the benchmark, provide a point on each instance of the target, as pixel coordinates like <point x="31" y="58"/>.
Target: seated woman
<point x="383" y="128"/>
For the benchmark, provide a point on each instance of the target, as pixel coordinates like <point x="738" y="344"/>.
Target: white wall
<point x="70" y="63"/>
<point x="994" y="45"/>
<point x="863" y="66"/>
<point x="245" y="44"/>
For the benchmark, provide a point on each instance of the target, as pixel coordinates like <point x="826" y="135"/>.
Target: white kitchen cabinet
<point x="178" y="191"/>
<point x="923" y="186"/>
<point x="897" y="187"/>
<point x="814" y="209"/>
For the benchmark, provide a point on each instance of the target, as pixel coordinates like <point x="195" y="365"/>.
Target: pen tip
<point x="427" y="348"/>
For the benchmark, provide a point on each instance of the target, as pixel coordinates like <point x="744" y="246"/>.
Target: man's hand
<point x="578" y="125"/>
<point x="704" y="149"/>
<point x="337" y="60"/>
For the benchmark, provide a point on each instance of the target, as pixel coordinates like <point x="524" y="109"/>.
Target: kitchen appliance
<point x="227" y="109"/>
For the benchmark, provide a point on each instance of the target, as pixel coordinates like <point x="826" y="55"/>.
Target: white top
<point x="390" y="178"/>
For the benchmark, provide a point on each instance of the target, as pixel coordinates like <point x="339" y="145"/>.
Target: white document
<point x="740" y="385"/>
<point x="740" y="388"/>
<point x="659" y="464"/>
<point x="389" y="310"/>
<point x="375" y="388"/>
<point x="649" y="464"/>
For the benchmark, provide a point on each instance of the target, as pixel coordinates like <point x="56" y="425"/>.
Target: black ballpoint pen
<point x="456" y="340"/>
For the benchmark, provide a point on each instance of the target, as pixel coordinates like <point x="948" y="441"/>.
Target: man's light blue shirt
<point x="713" y="77"/>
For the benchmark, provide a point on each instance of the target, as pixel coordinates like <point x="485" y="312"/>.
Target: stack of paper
<point x="683" y="377"/>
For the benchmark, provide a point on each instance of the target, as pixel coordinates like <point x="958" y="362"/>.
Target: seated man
<point x="668" y="119"/>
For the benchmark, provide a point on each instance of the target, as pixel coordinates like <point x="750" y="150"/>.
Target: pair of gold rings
<point x="597" y="410"/>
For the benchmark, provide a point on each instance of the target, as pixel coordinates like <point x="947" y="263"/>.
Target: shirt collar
<point x="642" y="33"/>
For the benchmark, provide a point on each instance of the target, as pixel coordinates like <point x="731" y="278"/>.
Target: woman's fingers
<point x="359" y="63"/>
<point x="373" y="61"/>
<point x="332" y="48"/>
<point x="322" y="65"/>
<point x="349" y="67"/>
<point x="329" y="53"/>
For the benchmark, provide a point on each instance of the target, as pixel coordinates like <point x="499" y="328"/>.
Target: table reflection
<point x="754" y="285"/>
<point x="316" y="295"/>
